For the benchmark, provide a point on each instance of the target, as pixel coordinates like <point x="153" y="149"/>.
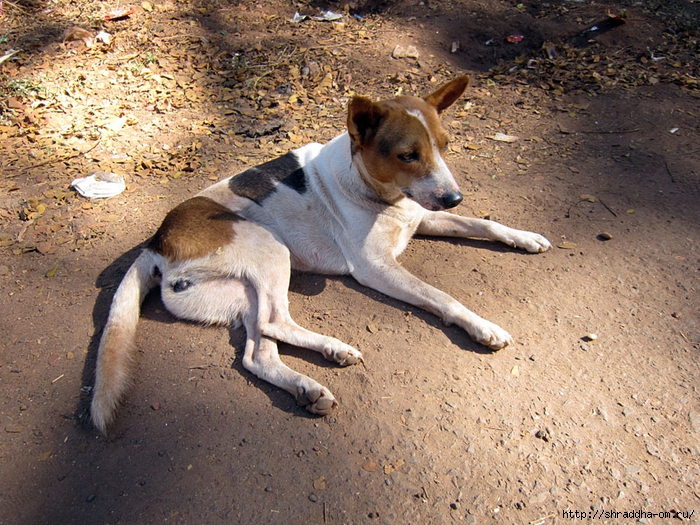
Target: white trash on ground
<point x="100" y="185"/>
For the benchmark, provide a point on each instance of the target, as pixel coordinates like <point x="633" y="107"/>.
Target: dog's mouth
<point x="407" y="193"/>
<point x="433" y="205"/>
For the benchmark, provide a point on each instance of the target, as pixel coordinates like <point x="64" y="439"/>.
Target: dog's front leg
<point x="392" y="279"/>
<point x="450" y="225"/>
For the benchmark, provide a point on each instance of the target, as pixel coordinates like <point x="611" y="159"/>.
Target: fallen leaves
<point x="579" y="65"/>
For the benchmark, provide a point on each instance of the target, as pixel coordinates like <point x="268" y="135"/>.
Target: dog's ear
<point x="446" y="95"/>
<point x="364" y="117"/>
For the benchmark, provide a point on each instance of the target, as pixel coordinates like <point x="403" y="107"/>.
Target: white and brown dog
<point x="348" y="207"/>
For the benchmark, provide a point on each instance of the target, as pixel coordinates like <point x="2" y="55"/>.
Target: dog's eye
<point x="411" y="156"/>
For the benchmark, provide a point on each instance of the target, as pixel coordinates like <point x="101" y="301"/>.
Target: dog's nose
<point x="451" y="199"/>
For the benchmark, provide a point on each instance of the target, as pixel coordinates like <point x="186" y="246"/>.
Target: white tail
<point x="115" y="354"/>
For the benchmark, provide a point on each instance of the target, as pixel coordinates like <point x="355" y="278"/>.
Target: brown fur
<point x="195" y="228"/>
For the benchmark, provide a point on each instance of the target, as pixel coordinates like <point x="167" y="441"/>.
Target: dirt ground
<point x="594" y="411"/>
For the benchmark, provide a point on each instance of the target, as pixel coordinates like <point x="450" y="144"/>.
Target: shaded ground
<point x="434" y="429"/>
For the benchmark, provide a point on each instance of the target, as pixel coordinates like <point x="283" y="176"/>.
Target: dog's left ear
<point x="446" y="95"/>
<point x="364" y="117"/>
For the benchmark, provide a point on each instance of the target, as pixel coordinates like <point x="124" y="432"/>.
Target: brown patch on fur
<point x="446" y="95"/>
<point x="194" y="228"/>
<point x="384" y="131"/>
<point x="397" y="134"/>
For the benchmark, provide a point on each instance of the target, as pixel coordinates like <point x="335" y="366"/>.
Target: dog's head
<point x="398" y="145"/>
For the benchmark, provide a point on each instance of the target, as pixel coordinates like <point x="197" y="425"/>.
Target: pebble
<point x="313" y="498"/>
<point x="590" y="337"/>
<point x="90" y="498"/>
<point x="604" y="236"/>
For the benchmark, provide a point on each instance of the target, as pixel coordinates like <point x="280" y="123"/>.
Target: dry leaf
<point x="320" y="483"/>
<point x="502" y="137"/>
<point x="588" y="198"/>
<point x="78" y="33"/>
<point x="371" y="466"/>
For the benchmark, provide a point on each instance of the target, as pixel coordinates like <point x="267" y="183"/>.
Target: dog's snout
<point x="451" y="199"/>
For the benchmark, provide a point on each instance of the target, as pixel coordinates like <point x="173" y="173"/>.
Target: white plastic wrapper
<point x="100" y="185"/>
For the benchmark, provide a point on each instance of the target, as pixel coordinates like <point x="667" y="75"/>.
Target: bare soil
<point x="595" y="409"/>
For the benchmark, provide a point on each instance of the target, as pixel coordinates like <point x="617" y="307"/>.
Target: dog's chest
<point x="402" y="222"/>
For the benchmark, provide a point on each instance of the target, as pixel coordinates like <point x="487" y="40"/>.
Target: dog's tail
<point x="115" y="354"/>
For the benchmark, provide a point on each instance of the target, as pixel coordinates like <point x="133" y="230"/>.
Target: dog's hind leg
<point x="274" y="308"/>
<point x="283" y="328"/>
<point x="261" y="357"/>
<point x="226" y="301"/>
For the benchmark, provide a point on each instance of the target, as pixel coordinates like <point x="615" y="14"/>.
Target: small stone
<point x="454" y="505"/>
<point x="313" y="498"/>
<point x="590" y="337"/>
<point x="604" y="236"/>
<point x="90" y="498"/>
<point x="676" y="315"/>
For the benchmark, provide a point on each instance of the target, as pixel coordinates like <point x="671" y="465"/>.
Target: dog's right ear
<point x="364" y="117"/>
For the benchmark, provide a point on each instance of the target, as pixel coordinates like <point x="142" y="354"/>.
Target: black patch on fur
<point x="260" y="182"/>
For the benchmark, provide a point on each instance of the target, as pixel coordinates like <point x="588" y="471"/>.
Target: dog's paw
<point x="491" y="335"/>
<point x="528" y="241"/>
<point x="344" y="355"/>
<point x="316" y="399"/>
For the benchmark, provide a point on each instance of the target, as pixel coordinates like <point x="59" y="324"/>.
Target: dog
<point x="350" y="206"/>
